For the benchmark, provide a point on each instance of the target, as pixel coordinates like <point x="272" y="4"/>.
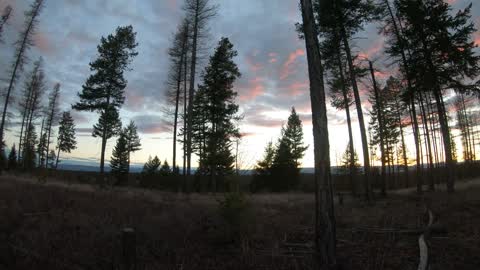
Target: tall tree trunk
<point x="402" y="137"/>
<point x="191" y="91"/>
<point x="431" y="183"/>
<point x="379" y="104"/>
<point x="58" y="156"/>
<point x="361" y="121"/>
<point x="325" y="238"/>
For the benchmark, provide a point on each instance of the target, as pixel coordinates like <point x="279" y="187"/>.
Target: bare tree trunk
<point x="379" y="104"/>
<point x="325" y="238"/>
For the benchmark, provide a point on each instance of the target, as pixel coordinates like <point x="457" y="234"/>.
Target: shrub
<point x="236" y="211"/>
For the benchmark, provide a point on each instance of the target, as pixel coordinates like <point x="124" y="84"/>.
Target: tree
<point x="345" y="18"/>
<point x="151" y="166"/>
<point x="23" y="44"/>
<point x="52" y="117"/>
<point x="29" y="157"/>
<point x="119" y="161"/>
<point x="324" y="211"/>
<point x="66" y="141"/>
<point x="30" y="104"/>
<point x="178" y="54"/>
<point x="294" y="136"/>
<point x="441" y="56"/>
<point x="199" y="13"/>
<point x="219" y="112"/>
<point x="285" y="171"/>
<point x="12" y="159"/>
<point x="42" y="151"/>
<point x="52" y="159"/>
<point x="104" y="90"/>
<point x="165" y="169"/>
<point x="7" y="11"/>
<point x="132" y="139"/>
<point x="346" y="162"/>
<point x="262" y="175"/>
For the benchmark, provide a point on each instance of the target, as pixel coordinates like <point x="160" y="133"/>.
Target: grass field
<point x="61" y="226"/>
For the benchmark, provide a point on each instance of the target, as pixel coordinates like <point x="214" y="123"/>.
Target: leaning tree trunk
<point x="361" y="121"/>
<point x="325" y="220"/>
<point x="431" y="184"/>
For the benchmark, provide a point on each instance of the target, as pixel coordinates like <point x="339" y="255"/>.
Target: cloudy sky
<point x="270" y="57"/>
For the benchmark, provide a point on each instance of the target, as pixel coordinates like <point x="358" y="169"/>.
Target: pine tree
<point x="119" y="161"/>
<point x="66" y="141"/>
<point x="23" y="44"/>
<point x="42" y="149"/>
<point x="285" y="171"/>
<point x="52" y="158"/>
<point x="262" y="175"/>
<point x="165" y="169"/>
<point x="151" y="166"/>
<point x="178" y="54"/>
<point x="325" y="239"/>
<point x="52" y="117"/>
<point x="29" y="153"/>
<point x="103" y="92"/>
<point x="133" y="140"/>
<point x="219" y="112"/>
<point x="346" y="162"/>
<point x="198" y="13"/>
<point x="30" y="104"/>
<point x="294" y="136"/>
<point x="12" y="159"/>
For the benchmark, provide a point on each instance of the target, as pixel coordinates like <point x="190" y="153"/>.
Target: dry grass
<point x="61" y="226"/>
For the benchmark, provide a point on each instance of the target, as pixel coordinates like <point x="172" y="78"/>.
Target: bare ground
<point x="61" y="226"/>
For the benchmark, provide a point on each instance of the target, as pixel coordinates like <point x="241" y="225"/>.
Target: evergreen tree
<point x="285" y="171"/>
<point x="23" y="44"/>
<point x="12" y="159"/>
<point x="119" y="161"/>
<point x="441" y="56"/>
<point x="42" y="150"/>
<point x="346" y="162"/>
<point x="262" y="175"/>
<point x="151" y="166"/>
<point x="52" y="117"/>
<point x="66" y="141"/>
<point x="293" y="135"/>
<point x="29" y="153"/>
<point x="198" y="13"/>
<point x="103" y="92"/>
<point x="133" y="140"/>
<point x="165" y="169"/>
<point x="218" y="112"/>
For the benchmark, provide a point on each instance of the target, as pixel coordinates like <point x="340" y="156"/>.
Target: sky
<point x="271" y="59"/>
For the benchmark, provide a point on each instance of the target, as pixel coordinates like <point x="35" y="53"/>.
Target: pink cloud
<point x="252" y="66"/>
<point x="287" y="66"/>
<point x="298" y="88"/>
<point x="373" y="50"/>
<point x="272" y="57"/>
<point x="254" y="89"/>
<point x="42" y="43"/>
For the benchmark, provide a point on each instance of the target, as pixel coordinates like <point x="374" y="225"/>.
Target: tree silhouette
<point x="104" y="91"/>
<point x="12" y="159"/>
<point x="52" y="117"/>
<point x="133" y="140"/>
<point x="119" y="162"/>
<point x="66" y="141"/>
<point x="23" y="44"/>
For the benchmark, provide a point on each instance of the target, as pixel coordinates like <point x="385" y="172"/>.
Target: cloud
<point x="151" y="124"/>
<point x="288" y="65"/>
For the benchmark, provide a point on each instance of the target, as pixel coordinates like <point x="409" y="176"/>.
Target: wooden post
<point x="129" y="256"/>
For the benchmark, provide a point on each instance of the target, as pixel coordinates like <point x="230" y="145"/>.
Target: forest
<point x="411" y="201"/>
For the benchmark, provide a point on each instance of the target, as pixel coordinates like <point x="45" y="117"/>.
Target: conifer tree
<point x="52" y="117"/>
<point x="219" y="112"/>
<point x="12" y="159"/>
<point x="104" y="90"/>
<point x="165" y="169"/>
<point x="198" y="13"/>
<point x="151" y="166"/>
<point x="262" y="175"/>
<point x="133" y="140"/>
<point x="29" y="153"/>
<point x="23" y="44"/>
<point x="66" y="141"/>
<point x="119" y="161"/>
<point x="294" y="136"/>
